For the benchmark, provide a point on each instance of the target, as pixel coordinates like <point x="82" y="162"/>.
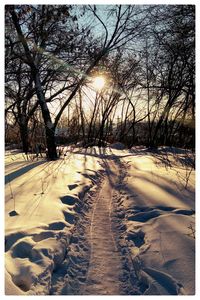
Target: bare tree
<point x="38" y="31"/>
<point x="60" y="54"/>
<point x="168" y="71"/>
<point x="126" y="23"/>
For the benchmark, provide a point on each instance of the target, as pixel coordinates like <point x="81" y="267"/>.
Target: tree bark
<point x="24" y="136"/>
<point x="49" y="128"/>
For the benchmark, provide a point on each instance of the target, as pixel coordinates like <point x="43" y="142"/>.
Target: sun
<point x="98" y="82"/>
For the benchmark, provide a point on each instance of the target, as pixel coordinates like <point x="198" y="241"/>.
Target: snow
<point x="159" y="222"/>
<point x="155" y="201"/>
<point x="47" y="198"/>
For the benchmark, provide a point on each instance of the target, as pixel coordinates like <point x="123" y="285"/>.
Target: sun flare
<point x="98" y="82"/>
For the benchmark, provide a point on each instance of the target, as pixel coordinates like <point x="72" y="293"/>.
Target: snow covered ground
<point x="157" y="196"/>
<point x="154" y="201"/>
<point x="38" y="227"/>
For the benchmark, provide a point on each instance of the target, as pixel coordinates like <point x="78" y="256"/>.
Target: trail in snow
<point x="95" y="264"/>
<point x="105" y="266"/>
<point x="131" y="233"/>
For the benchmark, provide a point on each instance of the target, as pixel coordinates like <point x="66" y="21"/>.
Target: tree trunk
<point x="82" y="117"/>
<point x="101" y="133"/>
<point x="49" y="128"/>
<point x="51" y="146"/>
<point x="24" y="136"/>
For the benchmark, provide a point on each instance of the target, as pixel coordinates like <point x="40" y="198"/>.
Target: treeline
<point x="145" y="53"/>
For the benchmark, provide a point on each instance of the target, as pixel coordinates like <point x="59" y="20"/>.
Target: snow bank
<point x="42" y="201"/>
<point x="159" y="220"/>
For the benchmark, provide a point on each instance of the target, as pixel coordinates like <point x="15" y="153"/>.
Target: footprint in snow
<point x="68" y="200"/>
<point x="57" y="225"/>
<point x="69" y="218"/>
<point x="144" y="216"/>
<point x="72" y="186"/>
<point x="137" y="237"/>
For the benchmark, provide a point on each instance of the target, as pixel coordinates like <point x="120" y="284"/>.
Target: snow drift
<point x="42" y="204"/>
<point x="157" y="197"/>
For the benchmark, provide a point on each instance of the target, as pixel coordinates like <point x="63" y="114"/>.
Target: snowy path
<point x="94" y="264"/>
<point x="129" y="232"/>
<point x="105" y="267"/>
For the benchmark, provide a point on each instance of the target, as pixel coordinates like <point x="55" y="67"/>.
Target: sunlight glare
<point x="98" y="82"/>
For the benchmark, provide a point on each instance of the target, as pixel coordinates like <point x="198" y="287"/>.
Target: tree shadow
<point x="163" y="183"/>
<point x="142" y="196"/>
<point x="11" y="176"/>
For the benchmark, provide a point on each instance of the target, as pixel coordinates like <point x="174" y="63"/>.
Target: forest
<point x="99" y="73"/>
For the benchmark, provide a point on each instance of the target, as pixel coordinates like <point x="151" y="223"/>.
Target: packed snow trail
<point x="105" y="266"/>
<point x="95" y="263"/>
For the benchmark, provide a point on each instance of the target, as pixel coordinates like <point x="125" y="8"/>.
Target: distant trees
<point x="169" y="68"/>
